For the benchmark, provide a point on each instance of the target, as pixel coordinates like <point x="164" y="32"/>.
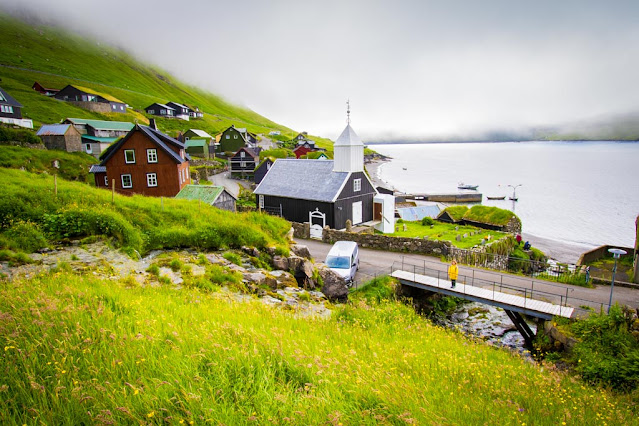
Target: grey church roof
<point x="303" y="179"/>
<point x="348" y="137"/>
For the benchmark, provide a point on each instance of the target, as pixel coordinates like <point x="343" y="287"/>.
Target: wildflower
<point x="152" y="413"/>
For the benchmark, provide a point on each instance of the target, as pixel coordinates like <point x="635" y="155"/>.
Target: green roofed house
<point x="216" y="196"/>
<point x="100" y="128"/>
<point x="94" y="145"/>
<point x="197" y="147"/>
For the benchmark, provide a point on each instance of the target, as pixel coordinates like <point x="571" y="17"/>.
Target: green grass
<point x="80" y="350"/>
<point x="446" y="232"/>
<point x="73" y="165"/>
<point x="57" y="58"/>
<point x="135" y="223"/>
<point x="487" y="214"/>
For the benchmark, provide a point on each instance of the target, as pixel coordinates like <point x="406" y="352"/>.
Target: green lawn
<point x="447" y="232"/>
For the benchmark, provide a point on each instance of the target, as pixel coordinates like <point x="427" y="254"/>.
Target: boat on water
<point x="513" y="198"/>
<point x="503" y="197"/>
<point x="463" y="185"/>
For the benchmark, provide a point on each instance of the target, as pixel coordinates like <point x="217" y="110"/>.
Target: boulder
<point x="301" y="251"/>
<point x="255" y="278"/>
<point x="280" y="263"/>
<point x="284" y="279"/>
<point x="294" y="264"/>
<point x="334" y="287"/>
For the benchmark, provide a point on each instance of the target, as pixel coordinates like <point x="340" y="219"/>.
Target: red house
<point x="302" y="150"/>
<point x="145" y="161"/>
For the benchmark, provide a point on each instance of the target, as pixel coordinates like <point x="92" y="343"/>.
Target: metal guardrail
<point x="526" y="290"/>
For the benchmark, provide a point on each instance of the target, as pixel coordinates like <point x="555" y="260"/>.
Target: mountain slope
<point x="56" y="58"/>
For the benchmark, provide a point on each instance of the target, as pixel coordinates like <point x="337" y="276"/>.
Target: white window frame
<point x="152" y="155"/>
<point x="228" y="136"/>
<point x="242" y="164"/>
<point x="7" y="109"/>
<point x="234" y="136"/>
<point x="242" y="154"/>
<point x="357" y="185"/>
<point x="106" y="180"/>
<point x="151" y="180"/>
<point x="261" y="201"/>
<point x="126" y="160"/>
<point x="163" y="112"/>
<point x="87" y="147"/>
<point x="151" y="111"/>
<point x="130" y="181"/>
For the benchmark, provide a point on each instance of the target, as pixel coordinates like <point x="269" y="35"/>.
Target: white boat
<point x="463" y="185"/>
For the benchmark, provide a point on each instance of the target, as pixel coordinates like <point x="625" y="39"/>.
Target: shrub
<point x="427" y="221"/>
<point x="153" y="269"/>
<point x="25" y="236"/>
<point x="19" y="136"/>
<point x="175" y="265"/>
<point x="233" y="257"/>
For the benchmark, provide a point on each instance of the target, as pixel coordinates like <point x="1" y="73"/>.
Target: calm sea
<point x="577" y="192"/>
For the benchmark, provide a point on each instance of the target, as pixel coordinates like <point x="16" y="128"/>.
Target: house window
<point x="242" y="154"/>
<point x="6" y="108"/>
<point x="88" y="148"/>
<point x="261" y="201"/>
<point x="151" y="111"/>
<point x="228" y="136"/>
<point x="242" y="164"/>
<point x="114" y="106"/>
<point x="126" y="181"/>
<point x="163" y="112"/>
<point x="152" y="155"/>
<point x="357" y="185"/>
<point x="234" y="136"/>
<point x="129" y="156"/>
<point x="151" y="179"/>
<point x="121" y="107"/>
<point x="106" y="181"/>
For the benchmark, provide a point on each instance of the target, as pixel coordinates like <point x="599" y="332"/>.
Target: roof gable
<point x="348" y="138"/>
<point x="102" y="124"/>
<point x="7" y="99"/>
<point x="199" y="133"/>
<point x="206" y="193"/>
<point x="303" y="179"/>
<point x="159" y="138"/>
<point x="105" y="96"/>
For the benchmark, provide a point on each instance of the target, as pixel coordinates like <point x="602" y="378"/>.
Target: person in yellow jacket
<point x="453" y="271"/>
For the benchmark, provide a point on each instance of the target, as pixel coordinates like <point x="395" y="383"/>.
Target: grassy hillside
<point x="80" y="350"/>
<point x="32" y="216"/>
<point x="56" y="58"/>
<point x="73" y="165"/>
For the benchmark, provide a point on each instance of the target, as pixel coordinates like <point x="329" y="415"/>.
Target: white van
<point x="344" y="259"/>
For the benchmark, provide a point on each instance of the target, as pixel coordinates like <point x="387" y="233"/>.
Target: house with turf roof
<point x="90" y="99"/>
<point x="11" y="111"/>
<point x="216" y="196"/>
<point x="44" y="90"/>
<point x="160" y="110"/>
<point x="195" y="112"/>
<point x="181" y="111"/>
<point x="145" y="161"/>
<point x="60" y="136"/>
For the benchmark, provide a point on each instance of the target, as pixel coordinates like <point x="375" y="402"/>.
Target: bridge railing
<point x="526" y="288"/>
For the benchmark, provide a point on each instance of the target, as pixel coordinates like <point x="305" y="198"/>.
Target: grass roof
<point x="95" y="92"/>
<point x="456" y="212"/>
<point x="490" y="215"/>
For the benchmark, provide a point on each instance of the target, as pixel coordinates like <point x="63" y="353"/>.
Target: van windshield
<point x="340" y="262"/>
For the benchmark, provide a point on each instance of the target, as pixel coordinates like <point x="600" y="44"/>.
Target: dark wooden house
<point x="11" y="111"/>
<point x="262" y="170"/>
<point x="160" y="109"/>
<point x="145" y="161"/>
<point x="60" y="136"/>
<point x="44" y="90"/>
<point x="90" y="99"/>
<point x="181" y="111"/>
<point x="322" y="192"/>
<point x="244" y="162"/>
<point x="216" y="196"/>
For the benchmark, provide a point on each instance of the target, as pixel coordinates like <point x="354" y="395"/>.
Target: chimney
<point x="152" y="124"/>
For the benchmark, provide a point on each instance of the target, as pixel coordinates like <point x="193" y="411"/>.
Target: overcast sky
<point x="410" y="68"/>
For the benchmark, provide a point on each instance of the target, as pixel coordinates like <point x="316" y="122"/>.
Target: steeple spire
<point x="348" y="111"/>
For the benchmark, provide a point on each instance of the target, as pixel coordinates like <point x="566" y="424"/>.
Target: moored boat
<point x="503" y="197"/>
<point x="462" y="185"/>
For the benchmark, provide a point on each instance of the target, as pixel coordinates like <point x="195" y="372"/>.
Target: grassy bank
<point x="81" y="350"/>
<point x="72" y="165"/>
<point x="32" y="216"/>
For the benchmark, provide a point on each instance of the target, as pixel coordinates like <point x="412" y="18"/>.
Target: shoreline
<point x="559" y="251"/>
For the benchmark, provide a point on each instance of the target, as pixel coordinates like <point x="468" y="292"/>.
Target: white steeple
<point x="348" y="150"/>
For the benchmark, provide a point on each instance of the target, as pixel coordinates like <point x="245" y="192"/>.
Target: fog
<point x="411" y="69"/>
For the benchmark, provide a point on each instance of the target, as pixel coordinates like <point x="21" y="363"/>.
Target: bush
<point x="19" y="136"/>
<point x="427" y="221"/>
<point x="153" y="269"/>
<point x="233" y="257"/>
<point x="25" y="236"/>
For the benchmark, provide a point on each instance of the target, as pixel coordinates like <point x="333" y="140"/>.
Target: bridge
<point x="515" y="301"/>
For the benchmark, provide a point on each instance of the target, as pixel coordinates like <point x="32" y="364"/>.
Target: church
<point x="322" y="192"/>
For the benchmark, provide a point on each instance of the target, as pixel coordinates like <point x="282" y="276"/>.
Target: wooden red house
<point x="145" y="161"/>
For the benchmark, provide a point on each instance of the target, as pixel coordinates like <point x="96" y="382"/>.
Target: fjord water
<point x="577" y="192"/>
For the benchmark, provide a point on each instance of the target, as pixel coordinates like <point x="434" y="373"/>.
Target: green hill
<point x="56" y="58"/>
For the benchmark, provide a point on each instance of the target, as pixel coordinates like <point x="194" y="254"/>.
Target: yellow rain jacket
<point x="453" y="271"/>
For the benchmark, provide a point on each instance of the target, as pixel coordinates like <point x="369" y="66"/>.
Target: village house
<point x="43" y="90"/>
<point x="234" y="138"/>
<point x="195" y="113"/>
<point x="216" y="196"/>
<point x="326" y="192"/>
<point x="100" y="128"/>
<point x="244" y="162"/>
<point x="160" y="109"/>
<point x="262" y="170"/>
<point x="196" y="133"/>
<point x="197" y="147"/>
<point x="181" y="111"/>
<point x="11" y="111"/>
<point x="61" y="136"/>
<point x="90" y="99"/>
<point x="145" y="161"/>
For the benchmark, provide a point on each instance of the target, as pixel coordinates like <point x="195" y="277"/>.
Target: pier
<point x="461" y="197"/>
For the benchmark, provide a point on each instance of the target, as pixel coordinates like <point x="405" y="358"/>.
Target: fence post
<point x="566" y="297"/>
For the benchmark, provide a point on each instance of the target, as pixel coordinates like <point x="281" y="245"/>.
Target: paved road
<point x="376" y="262"/>
<point x="224" y="179"/>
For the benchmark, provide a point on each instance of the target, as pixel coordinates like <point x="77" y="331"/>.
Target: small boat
<point x="462" y="185"/>
<point x="513" y="199"/>
<point x="403" y="168"/>
<point x="503" y="197"/>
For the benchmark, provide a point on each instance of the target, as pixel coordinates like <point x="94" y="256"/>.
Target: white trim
<point x="130" y="181"/>
<point x="151" y="180"/>
<point x="153" y="151"/>
<point x="126" y="160"/>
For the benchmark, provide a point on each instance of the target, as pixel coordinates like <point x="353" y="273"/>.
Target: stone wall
<point x="301" y="230"/>
<point x="93" y="106"/>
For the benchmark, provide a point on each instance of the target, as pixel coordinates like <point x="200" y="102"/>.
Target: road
<point x="376" y="262"/>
